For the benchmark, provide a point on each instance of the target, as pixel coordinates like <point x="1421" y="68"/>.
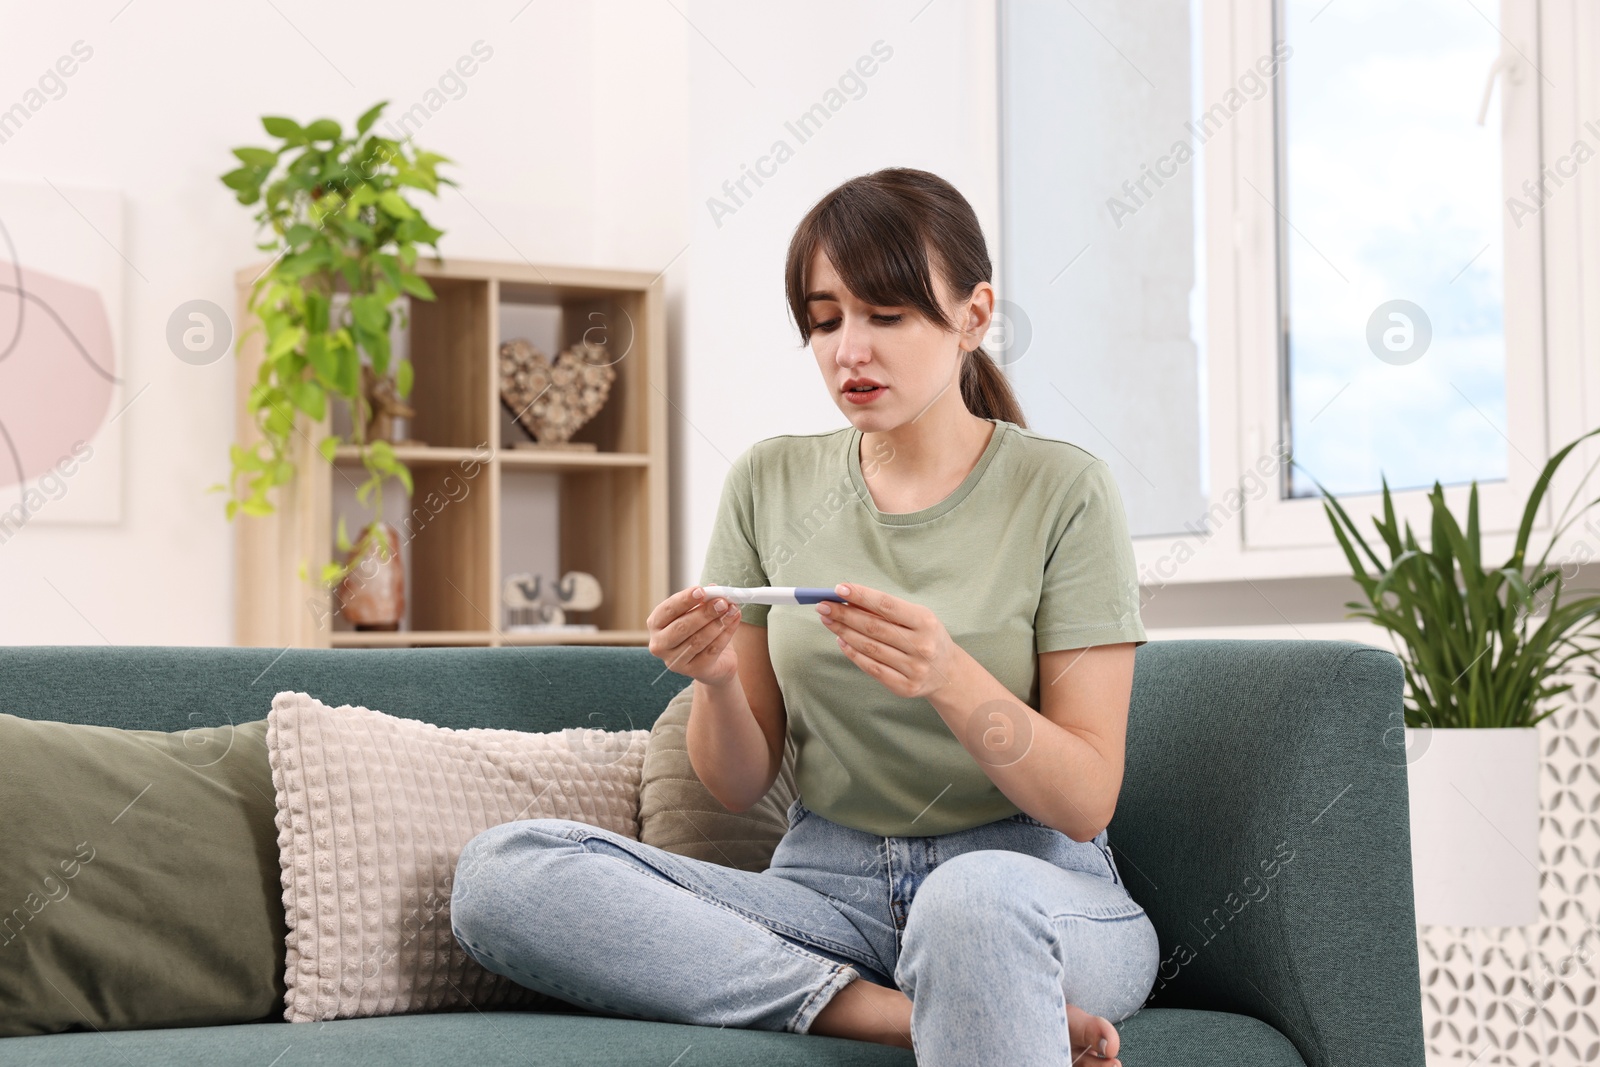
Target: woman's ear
<point x="980" y="312"/>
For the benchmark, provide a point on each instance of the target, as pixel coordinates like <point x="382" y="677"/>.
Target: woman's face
<point x="911" y="362"/>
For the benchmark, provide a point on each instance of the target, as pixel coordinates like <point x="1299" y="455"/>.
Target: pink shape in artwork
<point x="57" y="368"/>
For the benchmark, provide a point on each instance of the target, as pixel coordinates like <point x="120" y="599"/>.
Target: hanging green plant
<point x="338" y="221"/>
<point x="1471" y="658"/>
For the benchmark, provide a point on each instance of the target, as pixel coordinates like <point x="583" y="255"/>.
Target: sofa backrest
<point x="536" y="688"/>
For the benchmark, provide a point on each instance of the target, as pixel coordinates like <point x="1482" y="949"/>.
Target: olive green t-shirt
<point x="1029" y="554"/>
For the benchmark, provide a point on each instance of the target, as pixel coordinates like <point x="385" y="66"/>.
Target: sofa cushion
<point x="678" y="813"/>
<point x="1152" y="1037"/>
<point x="373" y="811"/>
<point x="140" y="882"/>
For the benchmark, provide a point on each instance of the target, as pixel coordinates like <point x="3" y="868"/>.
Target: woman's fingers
<point x="706" y="633"/>
<point x="678" y="618"/>
<point x="876" y="663"/>
<point x="873" y="614"/>
<point x="675" y="606"/>
<point x="866" y="626"/>
<point x="876" y="601"/>
<point x="718" y="644"/>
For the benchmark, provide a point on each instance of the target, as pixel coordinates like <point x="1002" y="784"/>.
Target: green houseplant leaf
<point x="1481" y="646"/>
<point x="334" y="210"/>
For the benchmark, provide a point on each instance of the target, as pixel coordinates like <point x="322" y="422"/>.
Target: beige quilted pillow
<point x="678" y="813"/>
<point x="372" y="814"/>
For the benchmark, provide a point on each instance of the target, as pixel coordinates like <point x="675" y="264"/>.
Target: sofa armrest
<point x="1264" y="826"/>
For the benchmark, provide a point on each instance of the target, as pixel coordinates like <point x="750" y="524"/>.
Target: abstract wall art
<point x="61" y="355"/>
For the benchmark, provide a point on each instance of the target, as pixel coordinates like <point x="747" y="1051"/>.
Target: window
<point x="1390" y="314"/>
<point x="1391" y="255"/>
<point x="1227" y="232"/>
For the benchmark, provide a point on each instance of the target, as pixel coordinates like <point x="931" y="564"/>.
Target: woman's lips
<point x="864" y="396"/>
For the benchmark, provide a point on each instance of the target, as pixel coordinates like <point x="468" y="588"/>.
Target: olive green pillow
<point x="678" y="813"/>
<point x="140" y="884"/>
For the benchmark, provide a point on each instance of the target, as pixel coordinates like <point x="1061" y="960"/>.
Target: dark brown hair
<point x="877" y="230"/>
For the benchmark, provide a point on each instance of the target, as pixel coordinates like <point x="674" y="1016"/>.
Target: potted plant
<point x="345" y="240"/>
<point x="1484" y="648"/>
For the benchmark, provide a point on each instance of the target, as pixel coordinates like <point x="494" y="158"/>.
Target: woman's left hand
<point x="901" y="644"/>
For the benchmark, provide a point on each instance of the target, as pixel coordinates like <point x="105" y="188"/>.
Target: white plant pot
<point x="1474" y="825"/>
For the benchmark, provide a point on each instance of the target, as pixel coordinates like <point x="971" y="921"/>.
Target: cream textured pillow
<point x="679" y="814"/>
<point x="372" y="813"/>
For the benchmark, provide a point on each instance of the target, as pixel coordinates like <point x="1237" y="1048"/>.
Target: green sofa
<point x="1262" y="824"/>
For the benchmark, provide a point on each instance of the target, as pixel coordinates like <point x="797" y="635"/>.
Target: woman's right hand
<point x="695" y="638"/>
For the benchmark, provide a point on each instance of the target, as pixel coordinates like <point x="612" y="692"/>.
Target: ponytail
<point x="985" y="390"/>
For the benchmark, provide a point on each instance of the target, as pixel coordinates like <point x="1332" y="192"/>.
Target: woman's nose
<point x="853" y="345"/>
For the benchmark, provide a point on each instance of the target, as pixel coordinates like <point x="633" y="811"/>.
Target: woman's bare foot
<point x="865" y="1011"/>
<point x="868" y="1012"/>
<point x="1087" y="1033"/>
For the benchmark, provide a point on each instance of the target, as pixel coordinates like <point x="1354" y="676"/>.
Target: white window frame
<point x="1256" y="533"/>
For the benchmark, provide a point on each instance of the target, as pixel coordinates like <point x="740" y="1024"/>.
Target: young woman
<point x="959" y="723"/>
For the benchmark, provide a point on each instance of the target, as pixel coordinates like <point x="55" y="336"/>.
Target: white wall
<point x="569" y="144"/>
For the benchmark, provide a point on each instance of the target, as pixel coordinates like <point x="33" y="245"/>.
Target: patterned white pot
<point x="1474" y="825"/>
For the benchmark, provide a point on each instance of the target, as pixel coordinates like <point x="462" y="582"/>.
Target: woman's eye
<point x="831" y="323"/>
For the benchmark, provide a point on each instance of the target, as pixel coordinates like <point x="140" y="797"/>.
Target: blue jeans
<point x="990" y="931"/>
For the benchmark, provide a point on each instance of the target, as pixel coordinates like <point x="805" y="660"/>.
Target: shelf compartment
<point x="604" y="523"/>
<point x="450" y="503"/>
<point x="449" y="342"/>
<point x="555" y="317"/>
<point x="594" y="520"/>
<point x="452" y="580"/>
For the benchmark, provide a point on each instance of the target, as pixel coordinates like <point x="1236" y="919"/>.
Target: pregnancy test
<point x="772" y="594"/>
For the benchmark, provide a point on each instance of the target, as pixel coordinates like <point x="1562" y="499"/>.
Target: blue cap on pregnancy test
<point x="772" y="594"/>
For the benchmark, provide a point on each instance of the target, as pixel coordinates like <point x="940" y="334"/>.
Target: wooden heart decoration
<point x="552" y="400"/>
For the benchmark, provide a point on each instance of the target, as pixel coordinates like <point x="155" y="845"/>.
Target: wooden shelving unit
<point x="611" y="503"/>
